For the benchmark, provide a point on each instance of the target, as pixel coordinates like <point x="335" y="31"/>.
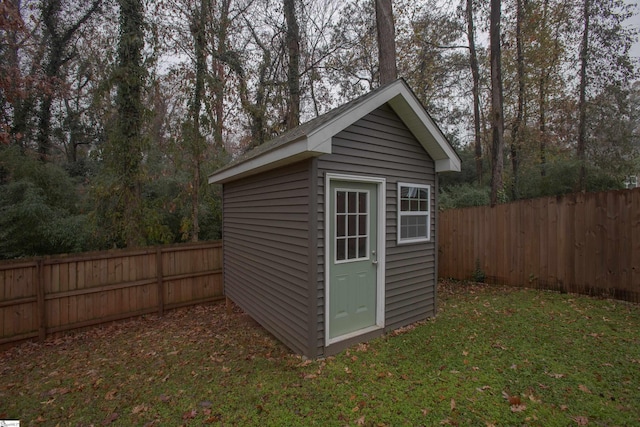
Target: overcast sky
<point x="635" y="22"/>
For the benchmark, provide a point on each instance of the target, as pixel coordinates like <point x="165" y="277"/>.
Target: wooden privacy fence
<point x="585" y="243"/>
<point x="54" y="294"/>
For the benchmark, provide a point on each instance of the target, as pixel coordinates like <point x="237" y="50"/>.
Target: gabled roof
<point x="313" y="138"/>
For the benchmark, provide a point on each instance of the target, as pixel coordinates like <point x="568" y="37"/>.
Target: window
<point x="352" y="224"/>
<point x="414" y="214"/>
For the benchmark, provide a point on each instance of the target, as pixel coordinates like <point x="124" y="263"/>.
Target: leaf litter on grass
<point x="535" y="346"/>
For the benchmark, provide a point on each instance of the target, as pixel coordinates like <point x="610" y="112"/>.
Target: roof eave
<point x="318" y="141"/>
<point x="290" y="153"/>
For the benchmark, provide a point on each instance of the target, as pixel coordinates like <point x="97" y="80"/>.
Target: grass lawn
<point x="493" y="356"/>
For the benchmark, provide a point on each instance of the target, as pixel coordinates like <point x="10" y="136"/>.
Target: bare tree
<point x="293" y="67"/>
<point x="497" y="116"/>
<point x="582" y="102"/>
<point x="475" y="74"/>
<point x="386" y="41"/>
<point x="58" y="38"/>
<point x="516" y="134"/>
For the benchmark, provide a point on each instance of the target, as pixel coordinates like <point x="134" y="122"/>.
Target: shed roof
<point x="313" y="138"/>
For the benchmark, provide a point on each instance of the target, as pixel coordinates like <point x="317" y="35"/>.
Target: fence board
<point x="60" y="293"/>
<point x="585" y="243"/>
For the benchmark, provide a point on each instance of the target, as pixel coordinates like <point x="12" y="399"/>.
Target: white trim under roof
<point x="318" y="140"/>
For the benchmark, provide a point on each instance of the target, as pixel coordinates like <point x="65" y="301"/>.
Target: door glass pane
<point x="362" y="202"/>
<point x="362" y="247"/>
<point x="352" y="225"/>
<point x="340" y="225"/>
<point x="362" y="225"/>
<point x="352" y="206"/>
<point x="340" y="249"/>
<point x="352" y="248"/>
<point x="340" y="202"/>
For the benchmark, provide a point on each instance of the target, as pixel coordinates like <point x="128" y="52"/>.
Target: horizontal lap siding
<point x="381" y="145"/>
<point x="266" y="265"/>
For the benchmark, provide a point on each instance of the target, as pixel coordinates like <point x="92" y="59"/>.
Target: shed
<point x="329" y="230"/>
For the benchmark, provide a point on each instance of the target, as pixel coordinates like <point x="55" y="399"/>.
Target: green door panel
<point x="352" y="257"/>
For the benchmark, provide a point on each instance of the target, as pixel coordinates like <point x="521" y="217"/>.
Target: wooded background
<point x="113" y="112"/>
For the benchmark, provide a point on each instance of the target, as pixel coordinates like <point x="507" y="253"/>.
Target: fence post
<point x="160" y="281"/>
<point x="41" y="304"/>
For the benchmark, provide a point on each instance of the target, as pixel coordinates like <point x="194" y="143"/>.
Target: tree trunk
<point x="497" y="118"/>
<point x="516" y="135"/>
<point x="196" y="140"/>
<point x="475" y="73"/>
<point x="542" y="122"/>
<point x="386" y="41"/>
<point x="293" y="69"/>
<point x="582" y="102"/>
<point x="128" y="140"/>
<point x="219" y="71"/>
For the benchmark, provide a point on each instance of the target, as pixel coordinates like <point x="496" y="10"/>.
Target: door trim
<point x="382" y="239"/>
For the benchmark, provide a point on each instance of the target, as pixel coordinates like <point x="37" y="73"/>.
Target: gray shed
<point x="329" y="230"/>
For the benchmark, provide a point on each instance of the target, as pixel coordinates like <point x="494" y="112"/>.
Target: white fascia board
<point x="281" y="156"/>
<point x="448" y="165"/>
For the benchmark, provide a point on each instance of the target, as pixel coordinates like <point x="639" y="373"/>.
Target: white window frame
<point x="401" y="214"/>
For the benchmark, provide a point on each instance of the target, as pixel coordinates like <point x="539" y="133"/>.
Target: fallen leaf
<point x="425" y="412"/>
<point x="483" y="388"/>
<point x="139" y="409"/>
<point x="584" y="388"/>
<point x="465" y="353"/>
<point x="453" y="404"/>
<point x="164" y="398"/>
<point x="518" y="408"/>
<point x="111" y="394"/>
<point x="189" y="415"/>
<point x="552" y="375"/>
<point x="360" y="421"/>
<point x="111" y="418"/>
<point x="581" y="421"/>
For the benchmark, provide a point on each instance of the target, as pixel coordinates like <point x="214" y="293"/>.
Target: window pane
<point x="404" y="229"/>
<point x="404" y="205"/>
<point x="362" y="247"/>
<point x="351" y="205"/>
<point x="352" y="247"/>
<point x="340" y="202"/>
<point x="362" y="225"/>
<point x="423" y="205"/>
<point x="414" y="206"/>
<point x="341" y="225"/>
<point x="340" y="249"/>
<point x="362" y="199"/>
<point x="352" y="231"/>
<point x="423" y="194"/>
<point x="414" y="226"/>
<point x="404" y="192"/>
